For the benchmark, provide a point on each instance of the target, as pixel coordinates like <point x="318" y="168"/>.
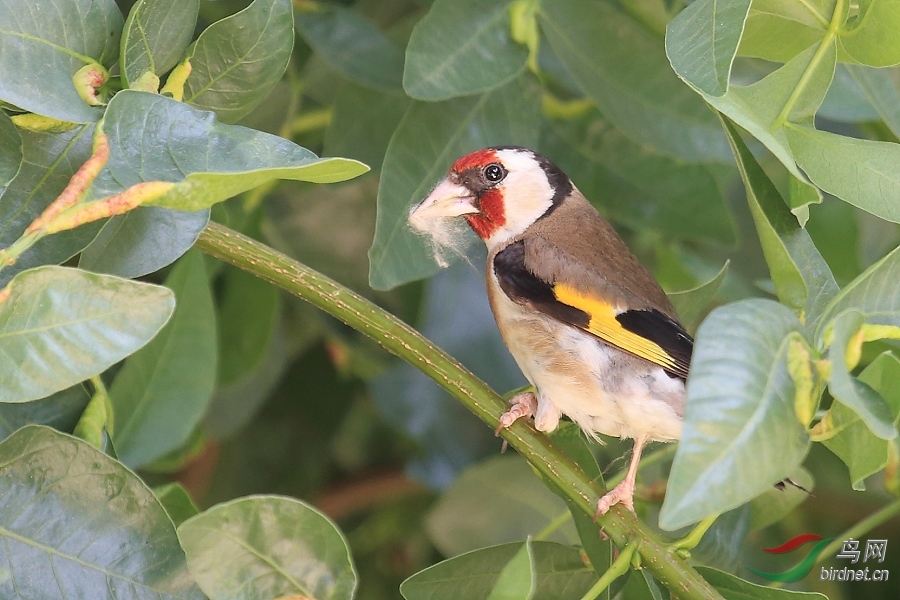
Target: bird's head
<point x="498" y="191"/>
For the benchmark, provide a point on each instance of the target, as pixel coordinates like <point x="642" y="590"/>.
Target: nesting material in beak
<point x="438" y="218"/>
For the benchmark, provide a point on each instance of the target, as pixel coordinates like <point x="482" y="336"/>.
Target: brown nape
<point x="601" y="253"/>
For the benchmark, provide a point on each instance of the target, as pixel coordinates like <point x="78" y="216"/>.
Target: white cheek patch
<point x="449" y="237"/>
<point x="527" y="193"/>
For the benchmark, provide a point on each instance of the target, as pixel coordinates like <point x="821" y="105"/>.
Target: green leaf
<point x="208" y="161"/>
<point x="702" y="40"/>
<point x="362" y="123"/>
<point x="642" y="586"/>
<point x="267" y="547"/>
<point x="294" y="221"/>
<point x="863" y="453"/>
<point x="882" y="88"/>
<point x="800" y="274"/>
<point x="778" y="31"/>
<point x="352" y="45"/>
<point x="559" y="571"/>
<point x="10" y="151"/>
<point x="722" y="546"/>
<point x="43" y="43"/>
<point x="176" y="502"/>
<point x="846" y="101"/>
<point x="60" y="411"/>
<point x="180" y="458"/>
<point x="49" y="160"/>
<point x="254" y="350"/>
<point x="142" y="241"/>
<point x="455" y="316"/>
<point x="517" y="579"/>
<point x="872" y="38"/>
<point x="775" y="503"/>
<point x="864" y="173"/>
<point x="55" y="312"/>
<point x="237" y="61"/>
<point x="734" y="588"/>
<point x="571" y="440"/>
<point x="429" y="138"/>
<point x="874" y="293"/>
<point x="234" y="406"/>
<point x="155" y="36"/>
<point x="162" y="391"/>
<point x="496" y="501"/>
<point x="78" y="524"/>
<point x="622" y="66"/>
<point x="739" y="414"/>
<point x="247" y="317"/>
<point x="850" y="391"/>
<point x="765" y="106"/>
<point x="632" y="184"/>
<point x="462" y="47"/>
<point x="691" y="304"/>
<point x="835" y="230"/>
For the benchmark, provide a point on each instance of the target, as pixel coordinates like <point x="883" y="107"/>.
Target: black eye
<point x="494" y="172"/>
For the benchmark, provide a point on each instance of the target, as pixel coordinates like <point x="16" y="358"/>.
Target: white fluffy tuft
<point x="449" y="237"/>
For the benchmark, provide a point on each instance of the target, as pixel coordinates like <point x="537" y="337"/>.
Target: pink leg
<point x="624" y="492"/>
<point x="522" y="405"/>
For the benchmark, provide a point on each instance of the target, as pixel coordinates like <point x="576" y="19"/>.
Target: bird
<point x="589" y="327"/>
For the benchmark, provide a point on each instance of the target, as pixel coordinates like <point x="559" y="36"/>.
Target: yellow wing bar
<point x="603" y="324"/>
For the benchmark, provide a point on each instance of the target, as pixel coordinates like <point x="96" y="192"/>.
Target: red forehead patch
<point x="479" y="158"/>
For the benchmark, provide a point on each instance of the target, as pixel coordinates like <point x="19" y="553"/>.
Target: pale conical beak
<point x="447" y="200"/>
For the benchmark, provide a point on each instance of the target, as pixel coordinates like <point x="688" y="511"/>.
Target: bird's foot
<point x="522" y="405"/>
<point x="621" y="494"/>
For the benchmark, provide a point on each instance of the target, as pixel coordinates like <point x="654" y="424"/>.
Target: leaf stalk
<point x="827" y="40"/>
<point x="618" y="568"/>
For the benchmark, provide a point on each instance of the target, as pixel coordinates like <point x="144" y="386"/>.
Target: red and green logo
<point x="805" y="565"/>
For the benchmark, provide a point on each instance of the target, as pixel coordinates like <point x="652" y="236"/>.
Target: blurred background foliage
<point x="376" y="444"/>
<point x="306" y="407"/>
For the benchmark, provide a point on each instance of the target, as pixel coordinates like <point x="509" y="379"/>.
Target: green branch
<point x="405" y="342"/>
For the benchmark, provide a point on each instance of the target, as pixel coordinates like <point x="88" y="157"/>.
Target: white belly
<point x="601" y="388"/>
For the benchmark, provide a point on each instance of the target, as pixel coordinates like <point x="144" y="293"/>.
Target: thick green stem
<point x="405" y="342"/>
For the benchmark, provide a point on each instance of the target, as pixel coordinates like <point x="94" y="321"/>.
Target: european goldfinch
<point x="589" y="327"/>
